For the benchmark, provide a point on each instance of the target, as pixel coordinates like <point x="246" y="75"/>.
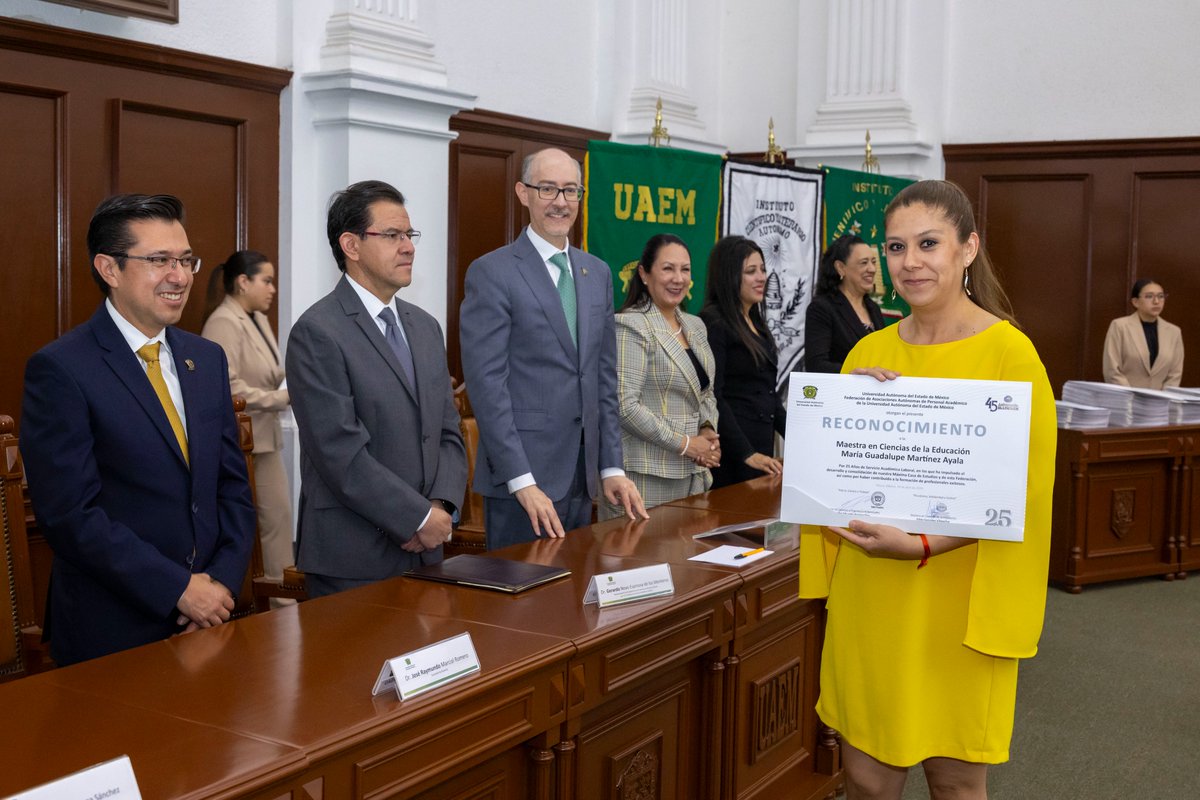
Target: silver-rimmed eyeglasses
<point x="395" y="236"/>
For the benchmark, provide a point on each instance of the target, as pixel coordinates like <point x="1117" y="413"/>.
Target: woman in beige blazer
<point x="240" y="325"/>
<point x="664" y="381"/>
<point x="1142" y="349"/>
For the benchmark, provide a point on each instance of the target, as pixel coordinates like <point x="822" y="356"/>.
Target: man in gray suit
<point x="382" y="465"/>
<point x="539" y="358"/>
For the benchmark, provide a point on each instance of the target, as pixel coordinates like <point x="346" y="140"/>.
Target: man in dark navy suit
<point x="131" y="449"/>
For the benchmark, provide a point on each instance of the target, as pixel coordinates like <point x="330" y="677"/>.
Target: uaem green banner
<point x="854" y="203"/>
<point x="636" y="191"/>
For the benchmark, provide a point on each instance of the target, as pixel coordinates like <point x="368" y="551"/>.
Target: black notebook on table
<point x="482" y="572"/>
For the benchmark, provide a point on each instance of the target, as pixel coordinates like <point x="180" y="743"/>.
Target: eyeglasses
<point x="396" y="236"/>
<point x="1151" y="297"/>
<point x="548" y="191"/>
<point x="163" y="264"/>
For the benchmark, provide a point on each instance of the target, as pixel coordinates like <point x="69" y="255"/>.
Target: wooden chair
<point x="469" y="535"/>
<point x="257" y="589"/>
<point x="22" y="651"/>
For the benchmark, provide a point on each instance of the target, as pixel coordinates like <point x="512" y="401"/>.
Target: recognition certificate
<point x="928" y="455"/>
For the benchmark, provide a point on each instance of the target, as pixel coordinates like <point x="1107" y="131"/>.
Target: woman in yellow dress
<point x="924" y="632"/>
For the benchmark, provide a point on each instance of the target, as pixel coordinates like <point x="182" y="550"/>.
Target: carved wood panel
<point x="1126" y="515"/>
<point x="641" y="748"/>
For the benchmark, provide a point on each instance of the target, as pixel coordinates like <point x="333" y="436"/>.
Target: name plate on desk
<point x="627" y="586"/>
<point x="428" y="668"/>
<point x="112" y="779"/>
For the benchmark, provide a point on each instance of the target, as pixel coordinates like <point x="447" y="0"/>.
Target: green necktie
<point x="566" y="293"/>
<point x="149" y="354"/>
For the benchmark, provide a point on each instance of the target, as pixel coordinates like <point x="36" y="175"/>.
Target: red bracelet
<point x="928" y="552"/>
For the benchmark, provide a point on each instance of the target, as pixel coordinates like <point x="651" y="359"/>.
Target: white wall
<point x="533" y="58"/>
<point x="762" y="42"/>
<point x="1030" y="70"/>
<point x="243" y="30"/>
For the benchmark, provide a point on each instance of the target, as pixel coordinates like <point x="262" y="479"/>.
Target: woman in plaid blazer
<point x="664" y="381"/>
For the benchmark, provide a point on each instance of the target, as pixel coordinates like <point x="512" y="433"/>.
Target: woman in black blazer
<point x="749" y="410"/>
<point x="842" y="311"/>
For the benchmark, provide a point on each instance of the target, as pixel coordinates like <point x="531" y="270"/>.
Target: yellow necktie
<point x="149" y="354"/>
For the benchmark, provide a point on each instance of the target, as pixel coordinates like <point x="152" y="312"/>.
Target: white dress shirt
<point x="136" y="341"/>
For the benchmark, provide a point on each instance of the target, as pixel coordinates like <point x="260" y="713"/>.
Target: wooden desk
<point x="708" y="693"/>
<point x="1126" y="505"/>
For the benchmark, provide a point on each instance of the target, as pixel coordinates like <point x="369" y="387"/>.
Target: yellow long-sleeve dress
<point x="923" y="663"/>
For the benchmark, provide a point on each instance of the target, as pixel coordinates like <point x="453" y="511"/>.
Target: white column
<point x="879" y="51"/>
<point x="369" y="101"/>
<point x="372" y="104"/>
<point x="664" y="49"/>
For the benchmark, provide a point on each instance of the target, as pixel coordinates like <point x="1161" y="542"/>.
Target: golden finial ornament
<point x="659" y="132"/>
<point x="870" y="162"/>
<point x="774" y="151"/>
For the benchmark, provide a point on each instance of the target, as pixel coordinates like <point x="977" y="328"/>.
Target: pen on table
<point x="749" y="553"/>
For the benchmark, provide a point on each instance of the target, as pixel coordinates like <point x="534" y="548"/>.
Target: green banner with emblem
<point x="854" y="203"/>
<point x="637" y="191"/>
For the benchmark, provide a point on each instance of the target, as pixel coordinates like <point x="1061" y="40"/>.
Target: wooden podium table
<point x="1126" y="505"/>
<point x="708" y="693"/>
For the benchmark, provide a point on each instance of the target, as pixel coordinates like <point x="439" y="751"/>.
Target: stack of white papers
<point x="1185" y="406"/>
<point x="1117" y="399"/>
<point x="1128" y="407"/>
<point x="1076" y="416"/>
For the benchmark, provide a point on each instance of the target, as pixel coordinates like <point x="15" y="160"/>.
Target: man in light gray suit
<point x="382" y="464"/>
<point x="539" y="358"/>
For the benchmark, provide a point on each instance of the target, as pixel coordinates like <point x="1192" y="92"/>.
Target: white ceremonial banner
<point x="615" y="588"/>
<point x="928" y="455"/>
<point x="428" y="668"/>
<point x="779" y="208"/>
<point x="111" y="779"/>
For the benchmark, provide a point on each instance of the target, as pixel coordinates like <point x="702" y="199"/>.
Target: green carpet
<point x="1110" y="707"/>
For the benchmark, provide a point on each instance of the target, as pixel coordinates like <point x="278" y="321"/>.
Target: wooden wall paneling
<point x="1037" y="225"/>
<point x="485" y="165"/>
<point x="146" y="146"/>
<point x="33" y="143"/>
<point x="1163" y="208"/>
<point x="1140" y="195"/>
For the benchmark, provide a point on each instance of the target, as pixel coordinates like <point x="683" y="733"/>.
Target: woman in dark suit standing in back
<point x="749" y="410"/>
<point x="842" y="312"/>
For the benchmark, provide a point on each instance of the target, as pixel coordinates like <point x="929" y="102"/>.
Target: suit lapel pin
<point x="585" y="272"/>
<point x="191" y="365"/>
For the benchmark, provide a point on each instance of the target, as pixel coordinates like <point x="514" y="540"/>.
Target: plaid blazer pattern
<point x="661" y="399"/>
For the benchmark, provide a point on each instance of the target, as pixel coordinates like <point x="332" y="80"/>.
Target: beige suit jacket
<point x="1127" y="357"/>
<point x="661" y="399"/>
<point x="255" y="370"/>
